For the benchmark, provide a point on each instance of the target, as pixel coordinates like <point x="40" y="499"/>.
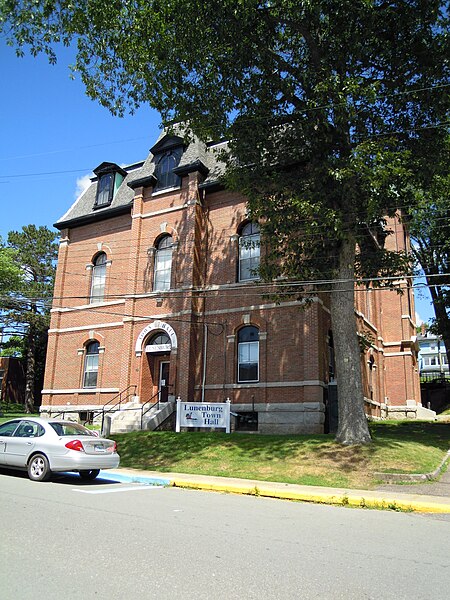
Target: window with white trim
<point x="163" y="264"/>
<point x="248" y="354"/>
<point x="249" y="252"/>
<point x="91" y="365"/>
<point x="98" y="278"/>
<point x="430" y="361"/>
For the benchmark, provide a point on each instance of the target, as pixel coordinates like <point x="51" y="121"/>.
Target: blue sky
<point x="53" y="135"/>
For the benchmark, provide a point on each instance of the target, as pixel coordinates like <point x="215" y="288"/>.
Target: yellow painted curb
<point x="321" y="498"/>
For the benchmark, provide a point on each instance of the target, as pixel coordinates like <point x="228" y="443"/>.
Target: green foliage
<point x="26" y="308"/>
<point x="334" y="109"/>
<point x="9" y="270"/>
<point x="429" y="224"/>
<point x="13" y="346"/>
<point x="35" y="251"/>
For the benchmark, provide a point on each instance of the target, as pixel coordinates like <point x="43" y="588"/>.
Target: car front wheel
<point x="38" y="468"/>
<point x="90" y="474"/>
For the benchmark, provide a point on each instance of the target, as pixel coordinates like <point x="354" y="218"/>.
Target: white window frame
<point x="163" y="265"/>
<point x="98" y="279"/>
<point x="249" y="252"/>
<point x="430" y="361"/>
<point x="91" y="362"/>
<point x="248" y="354"/>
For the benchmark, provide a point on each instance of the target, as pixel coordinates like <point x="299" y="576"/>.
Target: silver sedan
<point x="42" y="447"/>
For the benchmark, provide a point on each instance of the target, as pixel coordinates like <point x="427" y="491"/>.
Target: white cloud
<point x="419" y="319"/>
<point x="82" y="184"/>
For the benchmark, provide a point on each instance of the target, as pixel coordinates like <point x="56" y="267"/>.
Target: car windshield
<point x="63" y="429"/>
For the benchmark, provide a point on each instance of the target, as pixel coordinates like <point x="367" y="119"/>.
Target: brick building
<point x="156" y="297"/>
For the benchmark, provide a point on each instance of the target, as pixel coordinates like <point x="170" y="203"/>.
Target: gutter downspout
<point x="205" y="347"/>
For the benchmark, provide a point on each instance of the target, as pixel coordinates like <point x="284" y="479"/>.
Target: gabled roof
<point x="108" y="167"/>
<point x="167" y="142"/>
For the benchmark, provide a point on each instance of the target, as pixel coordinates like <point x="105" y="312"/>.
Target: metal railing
<point x="144" y="410"/>
<point x="122" y="397"/>
<point x="114" y="405"/>
<point x="437" y="377"/>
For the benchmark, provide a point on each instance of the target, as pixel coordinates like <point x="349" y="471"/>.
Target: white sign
<point x="156" y="326"/>
<point x="158" y="348"/>
<point x="203" y="414"/>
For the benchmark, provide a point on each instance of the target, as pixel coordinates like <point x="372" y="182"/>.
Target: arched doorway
<point x="157" y="354"/>
<point x="157" y="345"/>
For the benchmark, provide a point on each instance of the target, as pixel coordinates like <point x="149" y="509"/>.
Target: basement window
<point x="246" y="421"/>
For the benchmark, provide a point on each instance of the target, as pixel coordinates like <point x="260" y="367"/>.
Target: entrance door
<point x="163" y="382"/>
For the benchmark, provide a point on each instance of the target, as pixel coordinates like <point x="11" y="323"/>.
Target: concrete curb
<point x="331" y="496"/>
<point x="413" y="477"/>
<point x="339" y="498"/>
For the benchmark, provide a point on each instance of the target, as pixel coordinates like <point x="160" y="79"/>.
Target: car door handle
<point x="29" y="443"/>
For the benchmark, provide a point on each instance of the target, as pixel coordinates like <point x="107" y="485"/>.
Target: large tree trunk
<point x="353" y="427"/>
<point x="29" y="378"/>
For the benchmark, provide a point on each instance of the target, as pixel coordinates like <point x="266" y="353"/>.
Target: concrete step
<point x="130" y="420"/>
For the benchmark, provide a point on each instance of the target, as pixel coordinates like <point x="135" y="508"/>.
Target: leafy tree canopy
<point x="26" y="308"/>
<point x="332" y="108"/>
<point x="429" y="224"/>
<point x="9" y="271"/>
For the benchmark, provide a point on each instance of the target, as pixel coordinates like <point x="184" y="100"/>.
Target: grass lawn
<point x="7" y="416"/>
<point x="401" y="447"/>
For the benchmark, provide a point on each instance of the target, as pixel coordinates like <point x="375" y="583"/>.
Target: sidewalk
<point x="385" y="497"/>
<point x="438" y="487"/>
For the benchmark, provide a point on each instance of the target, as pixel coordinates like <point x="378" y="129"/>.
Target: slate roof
<point x="196" y="153"/>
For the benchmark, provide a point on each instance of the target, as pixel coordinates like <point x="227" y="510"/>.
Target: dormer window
<point x="110" y="176"/>
<point x="166" y="163"/>
<point x="105" y="190"/>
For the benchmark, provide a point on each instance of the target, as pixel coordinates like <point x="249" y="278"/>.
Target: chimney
<point x="423" y="328"/>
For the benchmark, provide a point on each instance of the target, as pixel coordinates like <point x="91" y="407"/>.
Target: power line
<point x="61" y="151"/>
<point x="256" y="290"/>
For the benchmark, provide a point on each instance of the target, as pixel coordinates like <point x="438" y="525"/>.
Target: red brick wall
<point x="293" y="340"/>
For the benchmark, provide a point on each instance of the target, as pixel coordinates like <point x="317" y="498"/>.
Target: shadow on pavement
<point x="60" y="478"/>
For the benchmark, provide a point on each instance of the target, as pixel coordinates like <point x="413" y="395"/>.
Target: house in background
<point x="157" y="298"/>
<point x="433" y="362"/>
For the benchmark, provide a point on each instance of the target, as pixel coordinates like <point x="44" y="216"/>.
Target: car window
<point x="29" y="429"/>
<point x="65" y="428"/>
<point x="7" y="429"/>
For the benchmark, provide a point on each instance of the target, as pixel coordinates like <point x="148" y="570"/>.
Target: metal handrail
<point x="117" y="404"/>
<point x="144" y="412"/>
<point x="121" y="396"/>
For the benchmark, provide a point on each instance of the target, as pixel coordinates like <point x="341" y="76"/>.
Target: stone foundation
<point x="287" y="418"/>
<point x="410" y="410"/>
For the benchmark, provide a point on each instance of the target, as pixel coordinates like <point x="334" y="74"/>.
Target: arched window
<point x="163" y="264"/>
<point x="105" y="189"/>
<point x="248" y="354"/>
<point x="98" y="278"/>
<point x="164" y="174"/>
<point x="249" y="245"/>
<point x="160" y="339"/>
<point x="91" y="365"/>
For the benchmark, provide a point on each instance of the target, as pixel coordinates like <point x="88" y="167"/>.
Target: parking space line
<point x="117" y="490"/>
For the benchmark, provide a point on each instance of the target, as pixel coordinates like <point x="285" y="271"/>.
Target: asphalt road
<point x="67" y="540"/>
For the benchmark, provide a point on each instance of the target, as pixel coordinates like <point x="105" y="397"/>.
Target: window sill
<point x="99" y="206"/>
<point x="166" y="190"/>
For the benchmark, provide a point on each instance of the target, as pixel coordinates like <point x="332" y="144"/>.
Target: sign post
<point x="203" y="414"/>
